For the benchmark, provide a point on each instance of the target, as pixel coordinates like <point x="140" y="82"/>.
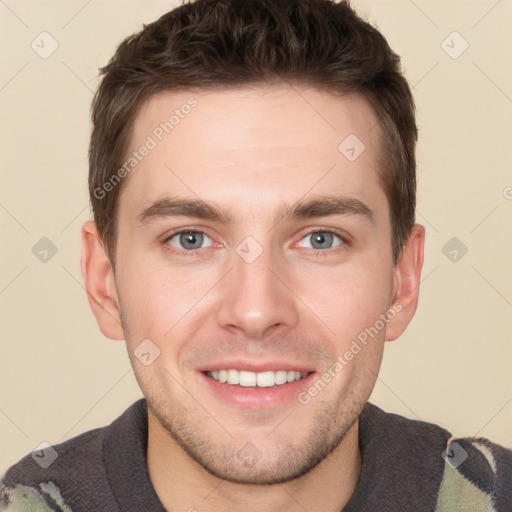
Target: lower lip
<point x="256" y="397"/>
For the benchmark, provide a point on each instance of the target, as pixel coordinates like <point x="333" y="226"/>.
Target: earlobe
<point x="407" y="275"/>
<point x="99" y="283"/>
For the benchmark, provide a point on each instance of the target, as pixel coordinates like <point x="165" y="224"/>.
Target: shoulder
<point x="46" y="497"/>
<point x="73" y="476"/>
<point x="35" y="482"/>
<point x="442" y="472"/>
<point x="477" y="473"/>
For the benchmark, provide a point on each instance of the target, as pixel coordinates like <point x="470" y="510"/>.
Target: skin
<point x="252" y="151"/>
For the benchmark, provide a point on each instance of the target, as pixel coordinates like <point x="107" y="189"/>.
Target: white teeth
<point x="251" y="379"/>
<point x="281" y="377"/>
<point x="233" y="377"/>
<point x="266" y="379"/>
<point x="246" y="378"/>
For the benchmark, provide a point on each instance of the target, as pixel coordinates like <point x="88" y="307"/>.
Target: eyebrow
<point x="320" y="206"/>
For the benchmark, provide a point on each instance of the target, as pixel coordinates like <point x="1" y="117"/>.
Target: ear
<point x="407" y="274"/>
<point x="100" y="284"/>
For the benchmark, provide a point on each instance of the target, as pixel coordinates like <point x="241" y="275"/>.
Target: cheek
<point x="347" y="298"/>
<point x="155" y="298"/>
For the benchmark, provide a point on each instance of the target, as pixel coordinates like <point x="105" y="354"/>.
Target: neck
<point x="182" y="484"/>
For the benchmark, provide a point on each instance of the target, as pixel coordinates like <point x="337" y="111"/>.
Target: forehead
<point x="258" y="143"/>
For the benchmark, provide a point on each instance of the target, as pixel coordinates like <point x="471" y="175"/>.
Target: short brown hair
<point x="209" y="44"/>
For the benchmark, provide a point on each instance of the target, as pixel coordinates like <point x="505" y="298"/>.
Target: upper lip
<point x="256" y="367"/>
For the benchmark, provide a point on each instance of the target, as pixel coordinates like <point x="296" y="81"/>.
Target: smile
<point x="264" y="379"/>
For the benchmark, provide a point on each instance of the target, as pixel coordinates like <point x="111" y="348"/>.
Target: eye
<point x="322" y="240"/>
<point x="189" y="240"/>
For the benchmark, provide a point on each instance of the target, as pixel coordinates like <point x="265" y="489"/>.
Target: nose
<point x="256" y="299"/>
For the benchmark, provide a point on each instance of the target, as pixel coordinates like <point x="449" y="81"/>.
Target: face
<point x="253" y="247"/>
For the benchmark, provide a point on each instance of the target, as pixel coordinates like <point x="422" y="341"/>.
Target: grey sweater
<point x="406" y="466"/>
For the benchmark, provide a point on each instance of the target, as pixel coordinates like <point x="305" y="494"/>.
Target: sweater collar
<point x="401" y="463"/>
<point x="124" y="451"/>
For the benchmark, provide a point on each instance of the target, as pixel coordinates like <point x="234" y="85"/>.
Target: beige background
<point x="60" y="376"/>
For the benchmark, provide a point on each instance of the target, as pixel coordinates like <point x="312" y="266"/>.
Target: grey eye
<point x="189" y="240"/>
<point x="322" y="240"/>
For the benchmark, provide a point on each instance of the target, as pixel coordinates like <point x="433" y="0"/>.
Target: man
<point x="252" y="178"/>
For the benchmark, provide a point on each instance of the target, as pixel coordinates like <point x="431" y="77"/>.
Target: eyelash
<point x="316" y="252"/>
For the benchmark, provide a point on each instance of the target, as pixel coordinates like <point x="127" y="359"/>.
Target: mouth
<point x="247" y="389"/>
<point x="265" y="379"/>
